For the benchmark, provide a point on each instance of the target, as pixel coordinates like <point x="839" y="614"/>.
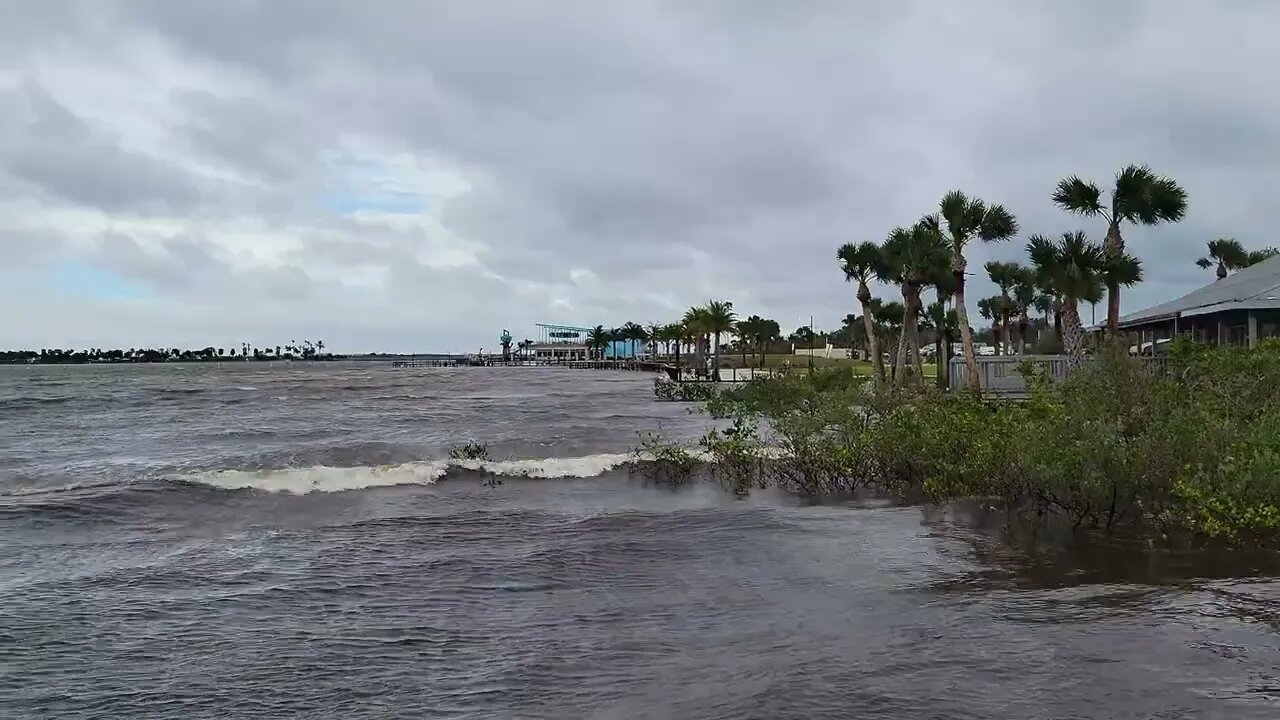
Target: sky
<point x="406" y="175"/>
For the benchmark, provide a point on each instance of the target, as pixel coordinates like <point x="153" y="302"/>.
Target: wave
<point x="328" y="479"/>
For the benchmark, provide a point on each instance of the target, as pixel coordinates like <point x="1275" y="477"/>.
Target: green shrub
<point x="1186" y="445"/>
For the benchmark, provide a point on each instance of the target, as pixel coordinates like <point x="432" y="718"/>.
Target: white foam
<point x="322" y="478"/>
<point x="555" y="467"/>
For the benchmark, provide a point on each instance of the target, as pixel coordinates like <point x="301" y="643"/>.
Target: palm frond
<point x="1205" y="263"/>
<point x="1166" y="202"/>
<point x="861" y="261"/>
<point x="1078" y="196"/>
<point x="953" y="209"/>
<point x="997" y="224"/>
<point x="1141" y="196"/>
<point x="1123" y="270"/>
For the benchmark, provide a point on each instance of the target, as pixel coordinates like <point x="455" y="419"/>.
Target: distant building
<point x="560" y="343"/>
<point x="1240" y="309"/>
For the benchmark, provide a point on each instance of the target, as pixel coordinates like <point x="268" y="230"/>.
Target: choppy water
<point x="188" y="541"/>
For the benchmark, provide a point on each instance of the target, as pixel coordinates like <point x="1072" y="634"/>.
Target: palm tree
<point x="1024" y="299"/>
<point x="1227" y="253"/>
<point x="719" y="318"/>
<point x="1004" y="275"/>
<point x="633" y="333"/>
<point x="1256" y="256"/>
<point x="1043" y="302"/>
<point x="960" y="220"/>
<point x="749" y="331"/>
<point x="989" y="310"/>
<point x="654" y="332"/>
<point x="597" y="339"/>
<point x="1138" y="197"/>
<point x="863" y="262"/>
<point x="913" y="257"/>
<point x="695" y="326"/>
<point x="890" y="317"/>
<point x="675" y="333"/>
<point x="1077" y="270"/>
<point x="944" y="322"/>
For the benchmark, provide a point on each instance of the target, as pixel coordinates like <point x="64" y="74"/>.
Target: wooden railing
<point x="1002" y="374"/>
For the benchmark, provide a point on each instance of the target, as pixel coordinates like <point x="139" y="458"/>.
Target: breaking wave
<point x="327" y="479"/>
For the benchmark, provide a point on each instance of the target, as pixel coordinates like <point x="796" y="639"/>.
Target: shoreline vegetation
<point x="1186" y="451"/>
<point x="306" y="350"/>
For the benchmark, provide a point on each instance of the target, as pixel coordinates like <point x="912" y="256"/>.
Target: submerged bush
<point x="668" y="389"/>
<point x="1188" y="445"/>
<point x="471" y="450"/>
<point x="666" y="462"/>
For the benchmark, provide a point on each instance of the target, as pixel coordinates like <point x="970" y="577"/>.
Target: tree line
<point x="305" y="350"/>
<point x="928" y="258"/>
<point x="1061" y="273"/>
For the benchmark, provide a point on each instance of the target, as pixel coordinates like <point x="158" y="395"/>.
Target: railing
<point x="1002" y="374"/>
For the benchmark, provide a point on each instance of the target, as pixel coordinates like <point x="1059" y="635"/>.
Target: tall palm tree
<point x="944" y="322"/>
<point x="654" y="332"/>
<point x="889" y="319"/>
<point x="1024" y="294"/>
<point x="1004" y="275"/>
<point x="961" y="219"/>
<point x="695" y="326"/>
<point x="864" y="262"/>
<point x="1227" y="253"/>
<point x="749" y="331"/>
<point x="1077" y="270"/>
<point x="913" y="257"/>
<point x="719" y="318"/>
<point x="1139" y="196"/>
<point x="989" y="310"/>
<point x="597" y="339"/>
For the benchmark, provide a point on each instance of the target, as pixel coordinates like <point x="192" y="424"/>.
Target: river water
<point x="192" y="541"/>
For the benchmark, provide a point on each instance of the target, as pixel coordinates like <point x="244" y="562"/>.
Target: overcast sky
<point x="406" y="175"/>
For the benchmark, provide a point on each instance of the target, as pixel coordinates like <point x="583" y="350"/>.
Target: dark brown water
<point x="201" y="542"/>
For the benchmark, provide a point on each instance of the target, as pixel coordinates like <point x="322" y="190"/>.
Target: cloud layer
<point x="399" y="175"/>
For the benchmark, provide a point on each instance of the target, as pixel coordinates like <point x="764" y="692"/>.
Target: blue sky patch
<point x="77" y="278"/>
<point x="349" y="203"/>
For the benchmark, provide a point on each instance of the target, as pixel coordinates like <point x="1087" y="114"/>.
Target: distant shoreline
<point x="371" y="357"/>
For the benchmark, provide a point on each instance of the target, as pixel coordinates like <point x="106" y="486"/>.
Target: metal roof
<point x="1253" y="288"/>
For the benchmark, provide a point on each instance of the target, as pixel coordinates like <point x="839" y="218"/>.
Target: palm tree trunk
<point x="1024" y="324"/>
<point x="678" y="369"/>
<point x="873" y="344"/>
<point x="966" y="335"/>
<point x="940" y="359"/>
<point x="1073" y="335"/>
<point x="1114" y="245"/>
<point x="918" y="378"/>
<point x="906" y="341"/>
<point x="715" y="359"/>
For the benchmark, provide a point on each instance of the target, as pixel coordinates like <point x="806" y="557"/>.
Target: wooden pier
<point x="450" y="362"/>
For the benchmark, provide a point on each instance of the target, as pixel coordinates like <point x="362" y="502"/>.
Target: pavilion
<point x="1239" y="309"/>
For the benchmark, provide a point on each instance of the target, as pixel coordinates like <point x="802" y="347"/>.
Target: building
<point x="1240" y="309"/>
<point x="560" y="343"/>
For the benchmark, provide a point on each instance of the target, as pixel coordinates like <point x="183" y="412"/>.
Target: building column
<point x="1253" y="330"/>
<point x="1221" y="327"/>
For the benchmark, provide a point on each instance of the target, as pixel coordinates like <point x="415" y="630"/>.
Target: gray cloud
<point x="592" y="162"/>
<point x="44" y="144"/>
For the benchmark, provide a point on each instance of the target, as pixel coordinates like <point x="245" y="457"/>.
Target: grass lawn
<point x="861" y="367"/>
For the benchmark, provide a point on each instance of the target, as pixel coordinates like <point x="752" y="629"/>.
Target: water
<point x="354" y="574"/>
